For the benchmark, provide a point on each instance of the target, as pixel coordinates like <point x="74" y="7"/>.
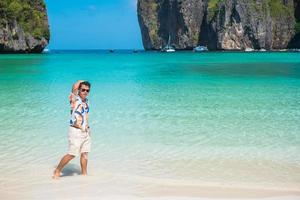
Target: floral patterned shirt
<point x="79" y="114"/>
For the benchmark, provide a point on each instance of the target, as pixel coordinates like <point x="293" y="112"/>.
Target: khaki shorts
<point x="79" y="141"/>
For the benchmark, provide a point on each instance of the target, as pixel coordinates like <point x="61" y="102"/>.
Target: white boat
<point x="168" y="48"/>
<point x="46" y="50"/>
<point x="249" y="49"/>
<point x="200" y="49"/>
<point x="262" y="50"/>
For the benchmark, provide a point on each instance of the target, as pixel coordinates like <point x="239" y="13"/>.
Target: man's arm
<point x="76" y="86"/>
<point x="74" y="92"/>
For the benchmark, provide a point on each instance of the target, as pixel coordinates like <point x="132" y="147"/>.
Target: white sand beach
<point x="36" y="183"/>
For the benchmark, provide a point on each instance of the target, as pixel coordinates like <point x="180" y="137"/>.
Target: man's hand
<point x="76" y="86"/>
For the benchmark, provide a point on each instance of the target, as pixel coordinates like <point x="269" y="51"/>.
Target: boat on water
<point x="262" y="50"/>
<point x="111" y="50"/>
<point x="171" y="49"/>
<point x="200" y="49"/>
<point x="249" y="49"/>
<point x="46" y="50"/>
<point x="168" y="48"/>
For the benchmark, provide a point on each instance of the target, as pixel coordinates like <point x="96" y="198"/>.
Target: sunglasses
<point x="84" y="90"/>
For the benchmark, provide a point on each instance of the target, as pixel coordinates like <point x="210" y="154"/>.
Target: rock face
<point x="241" y="24"/>
<point x="219" y="24"/>
<point x="23" y="26"/>
<point x="179" y="20"/>
<point x="295" y="42"/>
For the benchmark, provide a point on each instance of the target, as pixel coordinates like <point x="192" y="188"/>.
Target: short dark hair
<point x="84" y="83"/>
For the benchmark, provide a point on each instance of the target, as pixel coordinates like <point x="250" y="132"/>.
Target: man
<point x="79" y="133"/>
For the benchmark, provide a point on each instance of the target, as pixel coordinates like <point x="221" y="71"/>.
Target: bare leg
<point x="83" y="163"/>
<point x="61" y="165"/>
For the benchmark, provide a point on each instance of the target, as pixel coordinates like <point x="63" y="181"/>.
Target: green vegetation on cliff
<point x="279" y="9"/>
<point x="276" y="7"/>
<point x="29" y="14"/>
<point x="213" y="8"/>
<point x="213" y="4"/>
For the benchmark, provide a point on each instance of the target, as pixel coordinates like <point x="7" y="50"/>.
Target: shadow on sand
<point x="71" y="170"/>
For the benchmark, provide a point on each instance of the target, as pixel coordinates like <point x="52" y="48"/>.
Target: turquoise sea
<point x="217" y="117"/>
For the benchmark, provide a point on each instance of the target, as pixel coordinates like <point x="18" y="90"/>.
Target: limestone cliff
<point x="181" y="20"/>
<point x="219" y="24"/>
<point x="295" y="42"/>
<point x="23" y="26"/>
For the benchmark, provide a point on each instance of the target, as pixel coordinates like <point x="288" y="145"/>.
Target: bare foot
<point x="56" y="174"/>
<point x="84" y="174"/>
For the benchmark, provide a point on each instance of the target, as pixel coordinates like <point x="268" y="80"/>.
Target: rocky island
<point x="220" y="24"/>
<point x="24" y="26"/>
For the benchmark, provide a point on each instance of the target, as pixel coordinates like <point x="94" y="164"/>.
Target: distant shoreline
<point x="151" y="51"/>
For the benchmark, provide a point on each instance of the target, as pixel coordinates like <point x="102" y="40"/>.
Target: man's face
<point x="84" y="91"/>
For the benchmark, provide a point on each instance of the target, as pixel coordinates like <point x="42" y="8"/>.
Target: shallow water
<point x="214" y="117"/>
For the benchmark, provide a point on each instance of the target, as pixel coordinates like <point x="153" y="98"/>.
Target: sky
<point x="93" y="24"/>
